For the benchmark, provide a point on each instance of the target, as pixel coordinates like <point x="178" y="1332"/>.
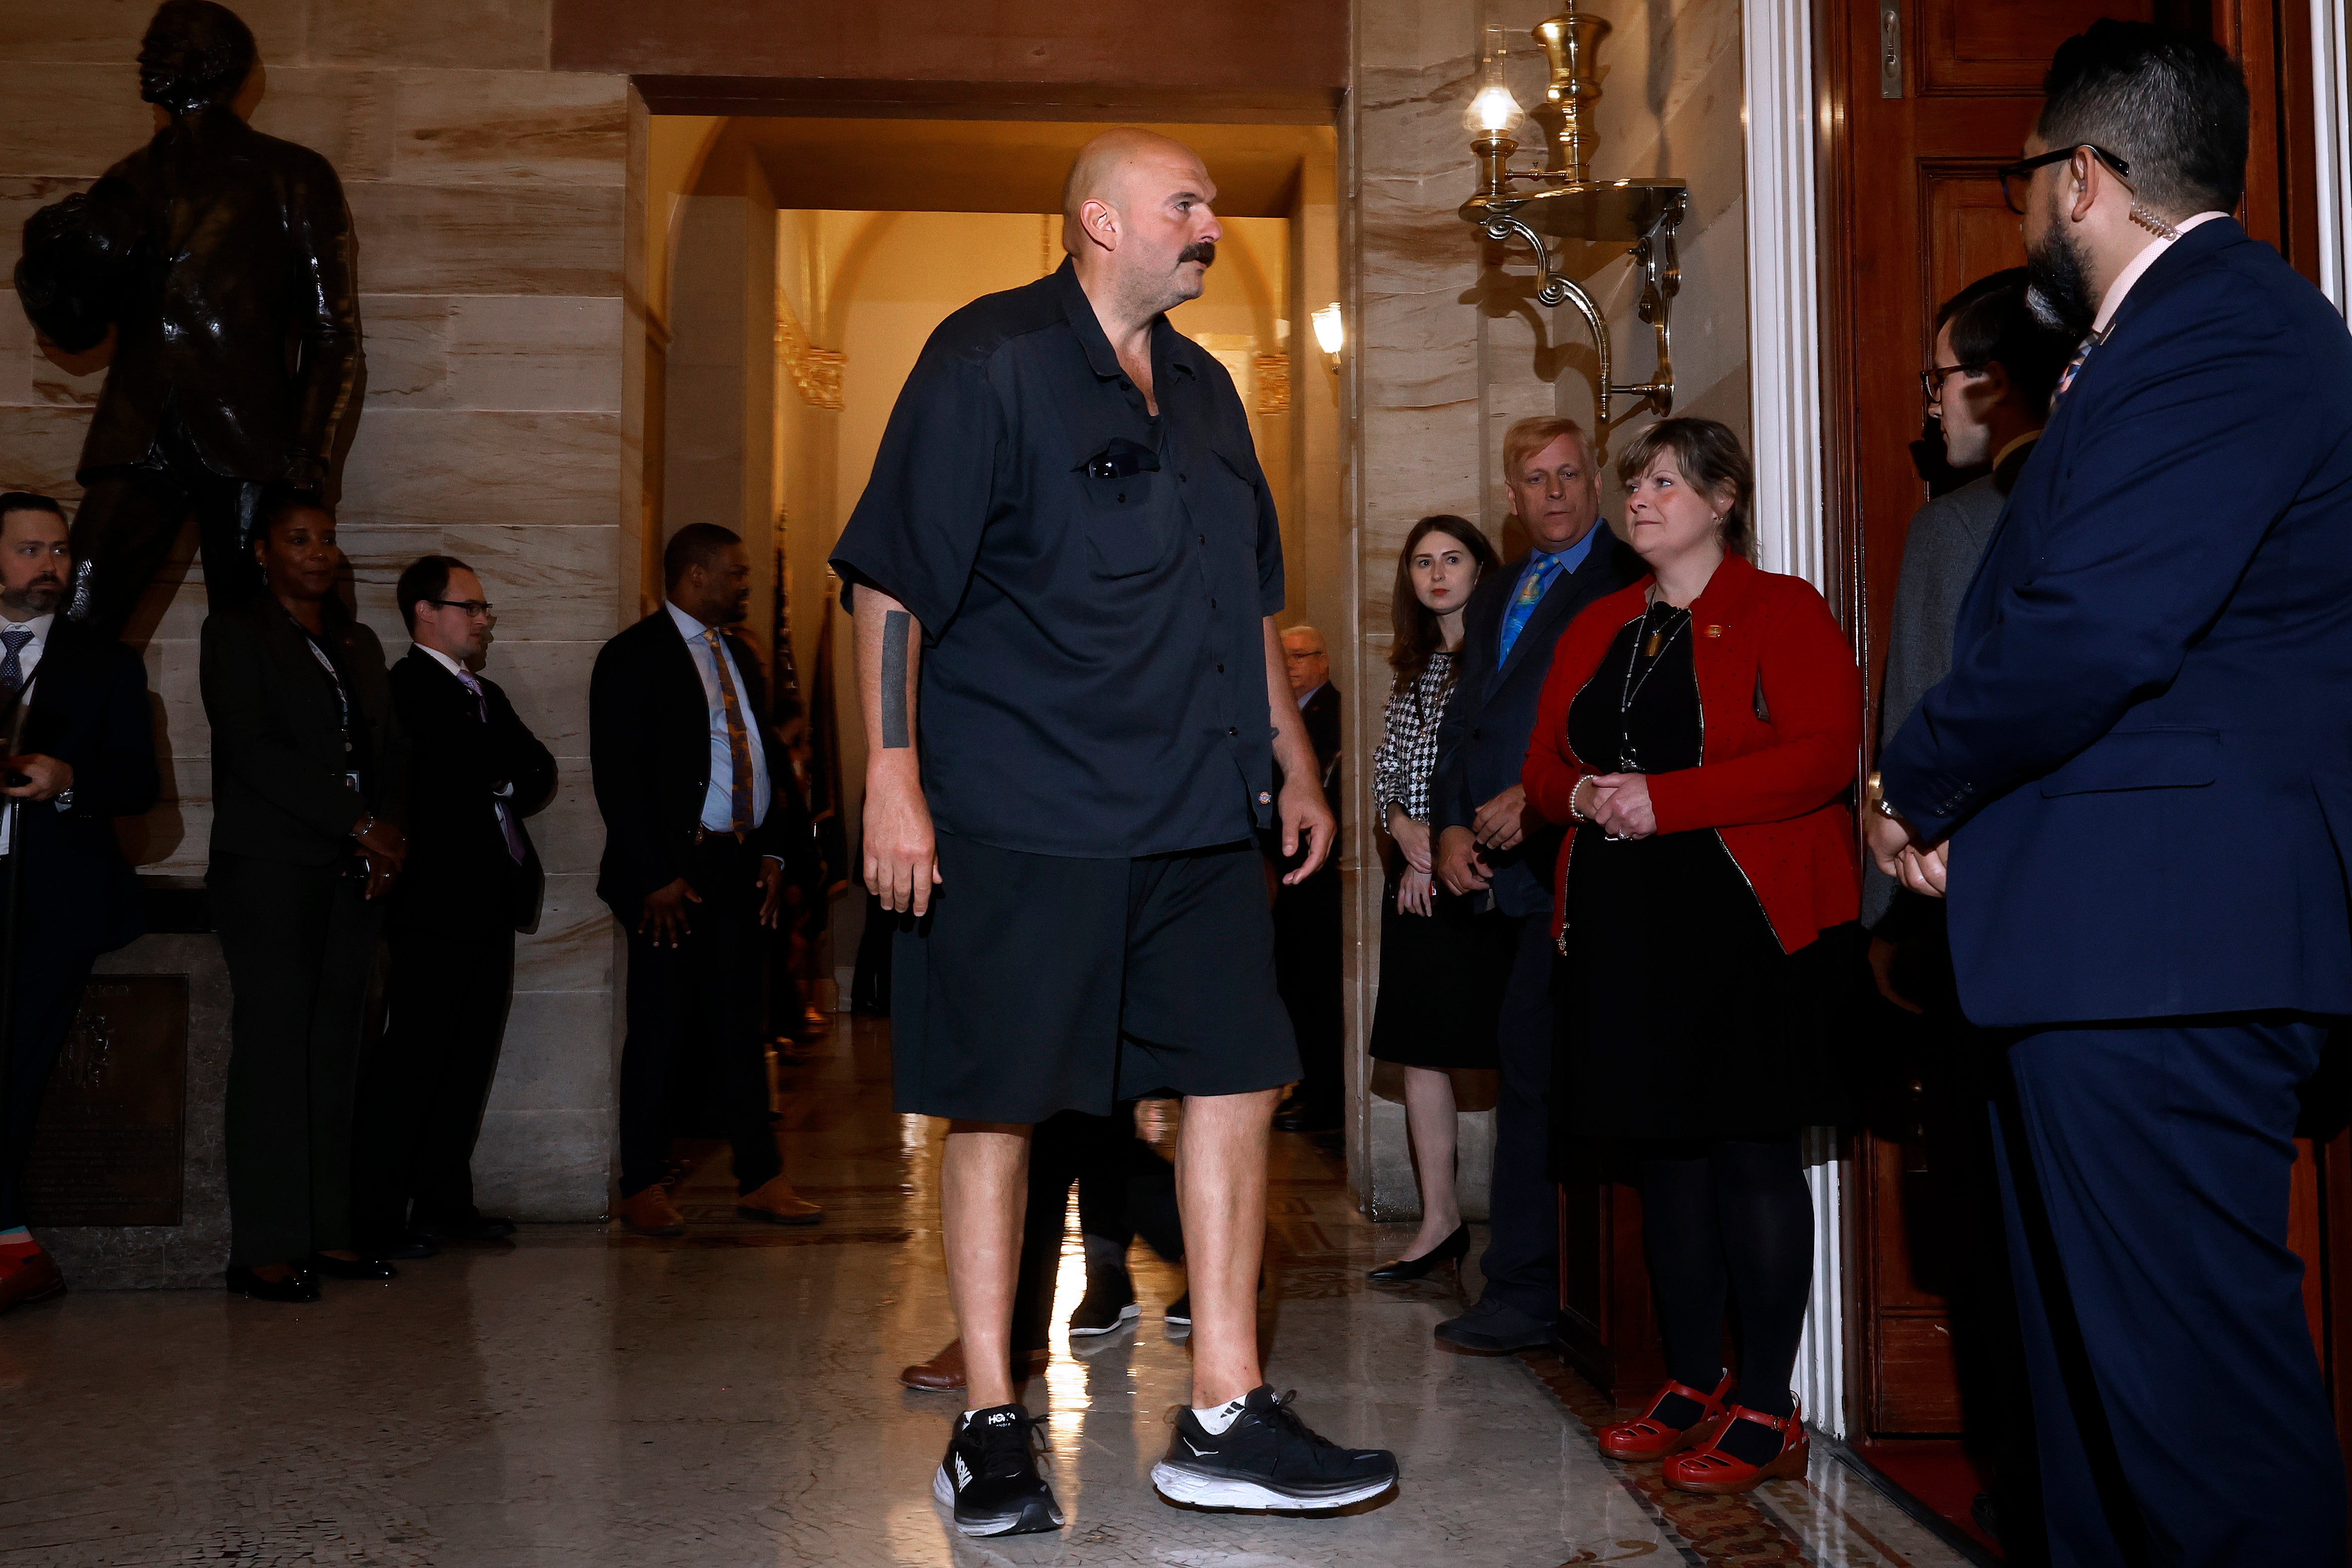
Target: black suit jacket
<point x="1482" y="740"/>
<point x="225" y="261"/>
<point x="459" y="875"/>
<point x="88" y="709"/>
<point x="649" y="754"/>
<point x="278" y="792"/>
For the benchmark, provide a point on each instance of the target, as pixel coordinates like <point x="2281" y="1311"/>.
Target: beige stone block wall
<point x="1453" y="347"/>
<point x="489" y="198"/>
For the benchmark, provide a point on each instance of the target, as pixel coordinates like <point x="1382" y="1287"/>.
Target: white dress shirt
<point x="719" y="800"/>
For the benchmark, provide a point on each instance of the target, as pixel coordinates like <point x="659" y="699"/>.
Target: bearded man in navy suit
<point x="2135" y="788"/>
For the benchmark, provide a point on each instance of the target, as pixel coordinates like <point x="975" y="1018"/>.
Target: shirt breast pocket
<point x="1125" y="521"/>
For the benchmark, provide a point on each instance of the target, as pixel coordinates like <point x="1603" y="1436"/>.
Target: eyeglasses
<point x="1931" y="380"/>
<point x="471" y="606"/>
<point x="2017" y="177"/>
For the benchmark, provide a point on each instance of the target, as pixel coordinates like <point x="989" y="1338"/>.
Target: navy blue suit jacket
<point x="2144" y="750"/>
<point x="1482" y="740"/>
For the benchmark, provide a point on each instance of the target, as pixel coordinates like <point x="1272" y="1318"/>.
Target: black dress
<point x="1442" y="980"/>
<point x="1680" y="1017"/>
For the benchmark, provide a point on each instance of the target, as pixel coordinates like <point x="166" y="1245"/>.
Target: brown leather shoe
<point x="774" y="1201"/>
<point x="650" y="1212"/>
<point x="37" y="1280"/>
<point x="944" y="1372"/>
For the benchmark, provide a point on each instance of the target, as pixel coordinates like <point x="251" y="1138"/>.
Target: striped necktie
<point x="2073" y="367"/>
<point x="739" y="743"/>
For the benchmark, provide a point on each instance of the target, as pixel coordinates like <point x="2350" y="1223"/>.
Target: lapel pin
<point x="1714" y="631"/>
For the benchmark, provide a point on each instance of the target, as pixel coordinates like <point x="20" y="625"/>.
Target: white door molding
<point x="2331" y="95"/>
<point x="1784" y="392"/>
<point x="1784" y="368"/>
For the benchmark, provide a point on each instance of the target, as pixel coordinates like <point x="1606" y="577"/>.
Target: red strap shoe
<point x="1710" y="1470"/>
<point x="1647" y="1437"/>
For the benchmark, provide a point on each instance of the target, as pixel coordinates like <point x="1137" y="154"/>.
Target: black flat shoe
<point x="1404" y="1271"/>
<point x="301" y="1286"/>
<point x="360" y="1268"/>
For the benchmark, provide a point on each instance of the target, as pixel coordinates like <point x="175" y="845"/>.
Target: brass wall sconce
<point x="1562" y="200"/>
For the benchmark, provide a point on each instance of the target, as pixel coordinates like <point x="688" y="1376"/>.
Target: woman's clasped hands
<point x="1619" y="805"/>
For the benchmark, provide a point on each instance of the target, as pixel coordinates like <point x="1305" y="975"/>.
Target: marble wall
<point x="1454" y="347"/>
<point x="489" y="196"/>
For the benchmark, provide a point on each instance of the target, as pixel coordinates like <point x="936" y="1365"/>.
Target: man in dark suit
<point x="223" y="260"/>
<point x="1489" y="841"/>
<point x="471" y="881"/>
<point x="2136" y="788"/>
<point x="1307" y="935"/>
<point x="86" y="754"/>
<point x="1987" y="384"/>
<point x="696" y="839"/>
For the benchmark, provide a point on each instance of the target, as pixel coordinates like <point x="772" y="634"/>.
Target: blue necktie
<point x="1531" y="593"/>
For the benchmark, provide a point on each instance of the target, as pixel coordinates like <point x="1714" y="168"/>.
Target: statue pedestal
<point x="128" y="1186"/>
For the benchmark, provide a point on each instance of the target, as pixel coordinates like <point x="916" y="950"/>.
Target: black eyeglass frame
<point x="482" y="607"/>
<point x="2023" y="169"/>
<point x="1931" y="380"/>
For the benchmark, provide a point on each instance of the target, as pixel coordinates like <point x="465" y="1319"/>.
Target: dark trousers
<point x="49" y="989"/>
<point x="130" y="518"/>
<point x="300" y="943"/>
<point x="1125" y="1190"/>
<point x="701" y="1002"/>
<point x="2177" y="1395"/>
<point x="1307" y="972"/>
<point x="423" y="1086"/>
<point x="1522" y="1258"/>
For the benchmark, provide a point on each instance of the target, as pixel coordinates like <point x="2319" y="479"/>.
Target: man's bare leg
<point x="983" y="1190"/>
<point x="1220" y="1187"/>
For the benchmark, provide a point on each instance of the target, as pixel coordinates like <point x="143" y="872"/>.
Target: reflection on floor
<point x="728" y="1398"/>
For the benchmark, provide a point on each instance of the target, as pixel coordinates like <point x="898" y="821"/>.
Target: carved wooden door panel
<point x="1924" y="100"/>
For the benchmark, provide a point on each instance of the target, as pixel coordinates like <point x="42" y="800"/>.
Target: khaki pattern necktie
<point x="739" y="745"/>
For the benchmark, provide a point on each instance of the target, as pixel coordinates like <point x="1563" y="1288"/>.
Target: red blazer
<point x="1771" y="788"/>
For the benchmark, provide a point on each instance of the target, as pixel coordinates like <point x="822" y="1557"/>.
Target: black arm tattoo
<point x="894" y="680"/>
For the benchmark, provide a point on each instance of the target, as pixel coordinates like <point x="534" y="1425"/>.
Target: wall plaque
<point x="108" y="1151"/>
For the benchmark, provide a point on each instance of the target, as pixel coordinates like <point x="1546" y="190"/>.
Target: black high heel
<point x="1404" y="1271"/>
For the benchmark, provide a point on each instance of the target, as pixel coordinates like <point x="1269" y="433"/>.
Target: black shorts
<point x="1040" y="982"/>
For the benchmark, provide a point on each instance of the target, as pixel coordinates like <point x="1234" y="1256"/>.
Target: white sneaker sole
<point x="1222" y="1491"/>
<point x="943" y="1493"/>
<point x="1127" y="1315"/>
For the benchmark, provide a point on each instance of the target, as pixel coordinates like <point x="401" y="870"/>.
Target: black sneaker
<point x="1179" y="1315"/>
<point x="1267" y="1459"/>
<point x="990" y="1479"/>
<point x="1104" y="1308"/>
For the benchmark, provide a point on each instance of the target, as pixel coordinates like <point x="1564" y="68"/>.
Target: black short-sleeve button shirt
<point x="1094" y="679"/>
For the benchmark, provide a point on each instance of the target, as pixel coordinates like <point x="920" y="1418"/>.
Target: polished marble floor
<point x="585" y="1398"/>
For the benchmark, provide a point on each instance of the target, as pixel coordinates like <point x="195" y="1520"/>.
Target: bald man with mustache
<point x="1065" y="573"/>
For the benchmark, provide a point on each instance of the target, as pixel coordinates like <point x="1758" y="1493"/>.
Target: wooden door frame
<point x="1802" y="307"/>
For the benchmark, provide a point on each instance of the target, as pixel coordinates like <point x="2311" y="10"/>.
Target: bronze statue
<point x="223" y="260"/>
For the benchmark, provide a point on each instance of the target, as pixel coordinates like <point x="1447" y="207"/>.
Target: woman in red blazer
<point x="1701" y="729"/>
